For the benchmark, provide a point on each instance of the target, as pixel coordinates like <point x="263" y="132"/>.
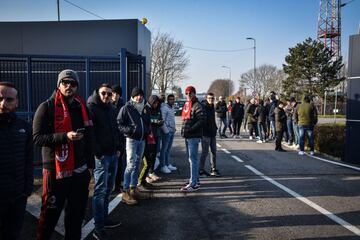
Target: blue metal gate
<point x="35" y="76"/>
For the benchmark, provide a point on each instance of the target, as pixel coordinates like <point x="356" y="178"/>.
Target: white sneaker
<point x="171" y="167"/>
<point x="312" y="153"/>
<point x="165" y="169"/>
<point x="239" y="136"/>
<point x="301" y="153"/>
<point x="250" y="137"/>
<point x="234" y="136"/>
<point x="259" y="141"/>
<point x="149" y="180"/>
<point x="154" y="177"/>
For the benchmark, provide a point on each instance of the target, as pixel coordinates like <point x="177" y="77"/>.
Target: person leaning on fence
<point x="192" y="130"/>
<point x="16" y="164"/>
<point x="209" y="138"/>
<point x="106" y="151"/>
<point x="63" y="129"/>
<point x="134" y="122"/>
<point x="306" y="118"/>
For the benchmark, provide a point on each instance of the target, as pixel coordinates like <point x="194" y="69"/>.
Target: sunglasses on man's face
<point x="106" y="93"/>
<point x="7" y="99"/>
<point x="69" y="82"/>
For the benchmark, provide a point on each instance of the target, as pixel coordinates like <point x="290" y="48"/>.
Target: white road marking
<point x="237" y="158"/>
<point x="34" y="208"/>
<point x="335" y="163"/>
<point x="218" y="145"/>
<point x="225" y="151"/>
<point x="328" y="214"/>
<point x="87" y="229"/>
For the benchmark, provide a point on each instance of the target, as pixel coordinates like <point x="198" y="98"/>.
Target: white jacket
<point x="168" y="116"/>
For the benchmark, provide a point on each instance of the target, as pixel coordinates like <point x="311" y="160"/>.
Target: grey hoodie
<point x="168" y="116"/>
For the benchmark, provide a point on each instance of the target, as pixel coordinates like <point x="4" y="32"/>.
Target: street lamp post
<point x="229" y="77"/>
<point x="250" y="38"/>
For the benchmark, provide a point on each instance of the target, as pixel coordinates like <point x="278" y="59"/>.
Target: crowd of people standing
<point x="118" y="143"/>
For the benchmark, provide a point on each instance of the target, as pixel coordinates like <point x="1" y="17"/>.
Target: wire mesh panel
<point x="104" y="71"/>
<point x="134" y="73"/>
<point x="44" y="77"/>
<point x="15" y="71"/>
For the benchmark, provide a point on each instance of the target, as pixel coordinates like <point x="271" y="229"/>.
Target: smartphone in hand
<point x="80" y="130"/>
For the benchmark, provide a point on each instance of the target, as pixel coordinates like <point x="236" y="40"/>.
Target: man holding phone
<point x="67" y="156"/>
<point x="107" y="148"/>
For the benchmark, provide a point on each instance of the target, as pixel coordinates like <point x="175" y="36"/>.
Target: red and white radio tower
<point x="329" y="25"/>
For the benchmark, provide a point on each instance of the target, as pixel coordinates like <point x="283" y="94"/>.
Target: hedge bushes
<point x="330" y="139"/>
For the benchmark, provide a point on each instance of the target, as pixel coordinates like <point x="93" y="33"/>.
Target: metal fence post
<point x="143" y="64"/>
<point x="29" y="88"/>
<point x="123" y="73"/>
<point x="87" y="78"/>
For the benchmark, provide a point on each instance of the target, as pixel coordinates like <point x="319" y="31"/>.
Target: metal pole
<point x="254" y="59"/>
<point x="335" y="109"/>
<point x="58" y="9"/>
<point x="325" y="104"/>
<point x="229" y="81"/>
<point x="250" y="38"/>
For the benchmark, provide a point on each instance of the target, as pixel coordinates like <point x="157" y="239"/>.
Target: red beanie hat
<point x="190" y="89"/>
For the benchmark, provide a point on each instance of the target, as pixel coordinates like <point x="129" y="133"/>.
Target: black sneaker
<point x="111" y="224"/>
<point x="224" y="135"/>
<point x="215" y="173"/>
<point x="101" y="235"/>
<point x="203" y="173"/>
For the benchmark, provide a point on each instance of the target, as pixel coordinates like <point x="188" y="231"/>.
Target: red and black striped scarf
<point x="64" y="153"/>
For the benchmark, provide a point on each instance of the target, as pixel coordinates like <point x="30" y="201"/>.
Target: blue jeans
<point x="166" y="144"/>
<point x="296" y="133"/>
<point x="104" y="174"/>
<point x="273" y="129"/>
<point x="134" y="155"/>
<point x="289" y="123"/>
<point x="192" y="148"/>
<point x="262" y="130"/>
<point x="310" y="132"/>
<point x="220" y="122"/>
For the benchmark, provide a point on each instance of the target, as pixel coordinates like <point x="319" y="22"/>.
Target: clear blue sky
<point x="213" y="24"/>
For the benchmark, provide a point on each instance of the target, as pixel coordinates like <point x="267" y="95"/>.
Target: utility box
<point x="352" y="150"/>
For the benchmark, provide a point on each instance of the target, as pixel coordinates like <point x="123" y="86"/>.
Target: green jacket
<point x="306" y="114"/>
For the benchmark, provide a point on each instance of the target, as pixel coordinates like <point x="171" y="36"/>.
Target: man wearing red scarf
<point x="192" y="130"/>
<point x="63" y="129"/>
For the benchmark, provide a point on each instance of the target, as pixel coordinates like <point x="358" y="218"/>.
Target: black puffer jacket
<point x="16" y="157"/>
<point x="237" y="111"/>
<point x="45" y="137"/>
<point x="193" y="127"/>
<point x="210" y="128"/>
<point x="106" y="132"/>
<point x="221" y="109"/>
<point x="133" y="124"/>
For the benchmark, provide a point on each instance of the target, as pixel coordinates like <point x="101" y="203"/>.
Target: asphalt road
<point x="262" y="194"/>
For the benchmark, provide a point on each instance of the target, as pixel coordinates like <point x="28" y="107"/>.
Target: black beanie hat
<point x="117" y="89"/>
<point x="137" y="91"/>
